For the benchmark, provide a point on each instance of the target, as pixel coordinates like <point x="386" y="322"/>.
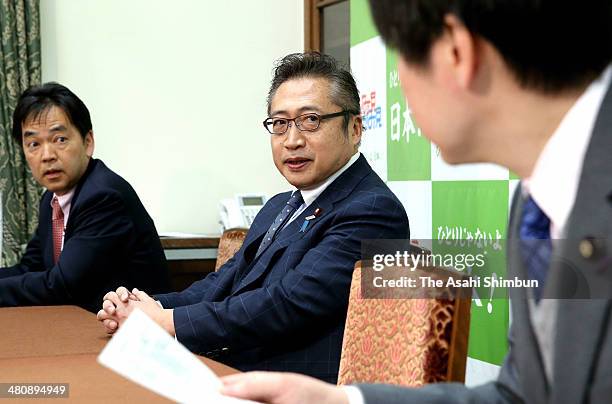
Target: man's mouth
<point x="51" y="174"/>
<point x="296" y="163"/>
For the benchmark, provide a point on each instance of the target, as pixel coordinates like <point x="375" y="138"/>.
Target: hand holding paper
<point x="146" y="354"/>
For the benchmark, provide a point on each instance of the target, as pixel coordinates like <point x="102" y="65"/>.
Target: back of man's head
<point x="549" y="45"/>
<point x="38" y="99"/>
<point x="343" y="90"/>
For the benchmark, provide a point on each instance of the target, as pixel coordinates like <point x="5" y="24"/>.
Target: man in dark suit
<point x="524" y="84"/>
<point x="93" y="232"/>
<point x="280" y="303"/>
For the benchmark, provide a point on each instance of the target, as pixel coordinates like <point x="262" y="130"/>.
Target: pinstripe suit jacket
<point x="286" y="310"/>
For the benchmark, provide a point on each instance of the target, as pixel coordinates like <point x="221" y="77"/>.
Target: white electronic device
<point x="240" y="211"/>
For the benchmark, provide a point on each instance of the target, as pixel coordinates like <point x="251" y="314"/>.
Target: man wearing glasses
<point x="490" y="81"/>
<point x="280" y="303"/>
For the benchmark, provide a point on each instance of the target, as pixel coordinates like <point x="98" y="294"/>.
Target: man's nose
<point x="295" y="137"/>
<point x="48" y="152"/>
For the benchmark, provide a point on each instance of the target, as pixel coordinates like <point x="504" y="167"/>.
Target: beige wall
<point x="177" y="94"/>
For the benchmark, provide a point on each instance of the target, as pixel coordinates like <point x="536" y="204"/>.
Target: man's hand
<point x="117" y="306"/>
<point x="282" y="388"/>
<point x="111" y="301"/>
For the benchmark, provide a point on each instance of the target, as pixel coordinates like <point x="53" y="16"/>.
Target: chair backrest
<point x="230" y="242"/>
<point x="407" y="342"/>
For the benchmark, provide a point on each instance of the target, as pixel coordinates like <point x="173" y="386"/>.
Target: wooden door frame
<point x="312" y="22"/>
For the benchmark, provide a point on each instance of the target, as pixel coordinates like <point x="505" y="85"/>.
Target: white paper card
<point x="146" y="354"/>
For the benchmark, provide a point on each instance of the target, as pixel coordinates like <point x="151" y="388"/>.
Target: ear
<point x="356" y="129"/>
<point x="89" y="143"/>
<point x="461" y="51"/>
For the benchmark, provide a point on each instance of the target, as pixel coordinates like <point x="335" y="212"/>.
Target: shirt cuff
<point x="354" y="394"/>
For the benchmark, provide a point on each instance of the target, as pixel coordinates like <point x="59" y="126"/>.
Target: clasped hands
<point x="118" y="305"/>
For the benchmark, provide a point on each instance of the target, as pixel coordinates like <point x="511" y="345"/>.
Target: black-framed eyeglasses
<point x="306" y="122"/>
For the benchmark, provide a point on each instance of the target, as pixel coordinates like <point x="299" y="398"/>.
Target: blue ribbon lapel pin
<point x="307" y="219"/>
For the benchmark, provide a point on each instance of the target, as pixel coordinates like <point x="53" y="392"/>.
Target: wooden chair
<point x="230" y="242"/>
<point x="406" y="342"/>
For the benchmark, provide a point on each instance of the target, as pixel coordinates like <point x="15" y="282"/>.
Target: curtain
<point x="19" y="69"/>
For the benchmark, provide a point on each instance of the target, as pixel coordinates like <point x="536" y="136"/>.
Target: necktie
<point x="57" y="221"/>
<point x="293" y="203"/>
<point x="536" y="247"/>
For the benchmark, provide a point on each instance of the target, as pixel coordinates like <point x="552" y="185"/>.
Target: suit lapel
<point x="335" y="192"/>
<point x="288" y="235"/>
<point x="260" y="227"/>
<point x="256" y="232"/>
<point x="527" y="350"/>
<point x="74" y="204"/>
<point x="293" y="231"/>
<point x="580" y="322"/>
<point x="579" y="326"/>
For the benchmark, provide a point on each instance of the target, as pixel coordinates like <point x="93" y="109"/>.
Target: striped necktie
<point x="536" y="246"/>
<point x="293" y="203"/>
<point x="57" y="221"/>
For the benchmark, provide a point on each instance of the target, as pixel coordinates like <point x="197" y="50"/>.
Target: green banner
<point x="408" y="151"/>
<point x="362" y="27"/>
<point x="461" y="211"/>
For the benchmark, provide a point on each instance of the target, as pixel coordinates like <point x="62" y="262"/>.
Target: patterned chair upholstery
<point x="229" y="244"/>
<point x="406" y="342"/>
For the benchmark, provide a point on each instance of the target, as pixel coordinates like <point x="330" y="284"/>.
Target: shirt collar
<point x="553" y="183"/>
<point x="310" y="195"/>
<point x="64" y="200"/>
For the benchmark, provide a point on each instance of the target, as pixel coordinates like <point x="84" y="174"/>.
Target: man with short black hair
<point x="526" y="85"/>
<point x="93" y="232"/>
<point x="280" y="303"/>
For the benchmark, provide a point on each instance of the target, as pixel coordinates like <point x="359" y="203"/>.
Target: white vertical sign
<point x="368" y="65"/>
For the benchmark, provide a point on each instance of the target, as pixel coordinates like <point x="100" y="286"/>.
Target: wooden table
<point x="60" y="344"/>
